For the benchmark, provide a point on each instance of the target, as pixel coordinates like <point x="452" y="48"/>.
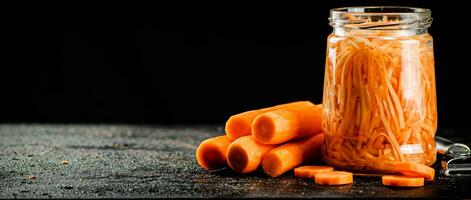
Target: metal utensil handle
<point x="448" y="147"/>
<point x="442" y="144"/>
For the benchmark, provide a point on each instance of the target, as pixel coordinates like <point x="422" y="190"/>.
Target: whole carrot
<point x="240" y="124"/>
<point x="287" y="156"/>
<point x="244" y="155"/>
<point x="288" y="123"/>
<point x="211" y="153"/>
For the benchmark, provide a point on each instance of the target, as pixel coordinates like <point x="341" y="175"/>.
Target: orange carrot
<point x="310" y="171"/>
<point x="289" y="155"/>
<point x="239" y="125"/>
<point x="403" y="181"/>
<point x="334" y="178"/>
<point x="211" y="153"/>
<point x="288" y="123"/>
<point x="415" y="169"/>
<point x="244" y="155"/>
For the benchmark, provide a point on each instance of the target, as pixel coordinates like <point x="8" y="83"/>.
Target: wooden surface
<point x="89" y="161"/>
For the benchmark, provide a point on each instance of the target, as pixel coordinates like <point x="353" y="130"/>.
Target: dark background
<point x="190" y="64"/>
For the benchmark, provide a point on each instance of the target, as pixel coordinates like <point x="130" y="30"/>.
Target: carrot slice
<point x="402" y="181"/>
<point x="415" y="169"/>
<point x="211" y="153"/>
<point x="289" y="155"/>
<point x="334" y="178"/>
<point x="244" y="155"/>
<point x="288" y="123"/>
<point x="240" y="124"/>
<point x="310" y="171"/>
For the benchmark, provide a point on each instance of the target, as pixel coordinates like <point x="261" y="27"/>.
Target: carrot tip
<point x="263" y="128"/>
<point x="236" y="127"/>
<point x="210" y="157"/>
<point x="237" y="158"/>
<point x="272" y="164"/>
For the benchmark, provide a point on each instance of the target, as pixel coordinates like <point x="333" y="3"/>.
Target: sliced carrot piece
<point x="211" y="153"/>
<point x="415" y="169"/>
<point x="244" y="155"/>
<point x="334" y="178"/>
<point x="287" y="156"/>
<point x="240" y="124"/>
<point x="402" y="181"/>
<point x="310" y="171"/>
<point x="283" y="125"/>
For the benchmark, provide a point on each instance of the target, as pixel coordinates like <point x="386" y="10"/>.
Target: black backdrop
<point x="190" y="63"/>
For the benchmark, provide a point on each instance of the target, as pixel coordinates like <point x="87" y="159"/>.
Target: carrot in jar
<point x="379" y="97"/>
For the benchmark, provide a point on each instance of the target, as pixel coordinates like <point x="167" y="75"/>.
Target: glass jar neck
<point x="393" y="21"/>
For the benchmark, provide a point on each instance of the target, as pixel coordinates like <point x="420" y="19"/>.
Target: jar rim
<point x="381" y="17"/>
<point x="380" y="10"/>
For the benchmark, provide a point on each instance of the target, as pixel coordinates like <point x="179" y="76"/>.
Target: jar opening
<point x="381" y="18"/>
<point x="382" y="9"/>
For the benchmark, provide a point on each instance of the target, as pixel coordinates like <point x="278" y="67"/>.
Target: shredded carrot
<point x="333" y="178"/>
<point x="310" y="171"/>
<point x="379" y="101"/>
<point x="402" y="181"/>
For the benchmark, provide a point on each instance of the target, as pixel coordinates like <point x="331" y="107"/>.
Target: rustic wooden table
<point x="83" y="161"/>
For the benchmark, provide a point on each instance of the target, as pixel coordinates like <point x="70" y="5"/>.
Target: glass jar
<point x="379" y="102"/>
